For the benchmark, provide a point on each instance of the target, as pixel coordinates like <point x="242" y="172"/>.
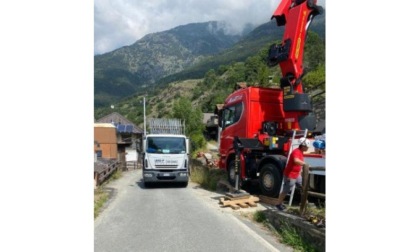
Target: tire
<point x="146" y="184"/>
<point x="270" y="180"/>
<point x="184" y="184"/>
<point x="231" y="174"/>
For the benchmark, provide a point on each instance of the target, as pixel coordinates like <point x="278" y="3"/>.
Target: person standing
<point x="293" y="169"/>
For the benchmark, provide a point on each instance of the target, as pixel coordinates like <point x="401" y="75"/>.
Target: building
<point x="210" y="120"/>
<point x="127" y="132"/>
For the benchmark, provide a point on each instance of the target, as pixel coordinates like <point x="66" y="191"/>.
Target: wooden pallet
<point x="242" y="202"/>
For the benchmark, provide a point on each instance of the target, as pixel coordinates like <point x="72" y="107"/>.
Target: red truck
<point x="259" y="125"/>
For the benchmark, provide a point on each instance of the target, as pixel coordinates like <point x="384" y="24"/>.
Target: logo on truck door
<point x="234" y="99"/>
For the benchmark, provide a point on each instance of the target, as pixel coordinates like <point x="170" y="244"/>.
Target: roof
<point x="120" y="122"/>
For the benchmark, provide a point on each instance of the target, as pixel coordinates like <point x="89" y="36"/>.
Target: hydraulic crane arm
<point x="296" y="16"/>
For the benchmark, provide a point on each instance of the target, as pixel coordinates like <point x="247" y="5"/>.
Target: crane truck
<point x="259" y="126"/>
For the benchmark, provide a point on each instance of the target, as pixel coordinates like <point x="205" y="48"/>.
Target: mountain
<point x="122" y="72"/>
<point x="249" y="45"/>
<point x="185" y="52"/>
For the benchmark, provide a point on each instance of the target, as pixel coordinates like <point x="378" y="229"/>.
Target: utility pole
<point x="144" y="114"/>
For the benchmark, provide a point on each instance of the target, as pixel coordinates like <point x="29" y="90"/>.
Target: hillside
<point x="214" y="86"/>
<point x="128" y="69"/>
<point x="185" y="52"/>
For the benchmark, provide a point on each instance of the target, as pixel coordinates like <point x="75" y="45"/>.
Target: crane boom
<point x="296" y="16"/>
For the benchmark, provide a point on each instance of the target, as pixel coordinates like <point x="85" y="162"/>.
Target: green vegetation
<point x="287" y="234"/>
<point x="259" y="217"/>
<point x="206" y="177"/>
<point x="189" y="99"/>
<point x="291" y="237"/>
<point x="217" y="83"/>
<point x="115" y="175"/>
<point x="100" y="197"/>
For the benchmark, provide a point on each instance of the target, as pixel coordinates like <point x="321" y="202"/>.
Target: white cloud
<point x="121" y="22"/>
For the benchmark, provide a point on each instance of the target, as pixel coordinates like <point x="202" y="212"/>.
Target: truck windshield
<point x="169" y="145"/>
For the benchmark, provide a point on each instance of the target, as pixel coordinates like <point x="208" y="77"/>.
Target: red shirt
<point x="293" y="170"/>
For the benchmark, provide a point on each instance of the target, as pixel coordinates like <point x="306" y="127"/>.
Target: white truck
<point x="165" y="153"/>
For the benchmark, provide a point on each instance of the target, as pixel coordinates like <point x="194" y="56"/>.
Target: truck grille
<point x="166" y="166"/>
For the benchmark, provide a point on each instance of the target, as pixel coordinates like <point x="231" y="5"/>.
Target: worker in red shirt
<point x="292" y="171"/>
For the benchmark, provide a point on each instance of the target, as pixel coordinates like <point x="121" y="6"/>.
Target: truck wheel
<point x="231" y="174"/>
<point x="184" y="184"/>
<point x="270" y="180"/>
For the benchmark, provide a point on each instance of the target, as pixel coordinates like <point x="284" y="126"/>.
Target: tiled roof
<point x="119" y="119"/>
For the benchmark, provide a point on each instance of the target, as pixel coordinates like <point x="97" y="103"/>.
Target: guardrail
<point x="103" y="169"/>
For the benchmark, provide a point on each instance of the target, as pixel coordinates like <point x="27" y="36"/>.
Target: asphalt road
<point x="172" y="218"/>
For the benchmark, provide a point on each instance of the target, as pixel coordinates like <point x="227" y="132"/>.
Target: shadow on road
<point x="160" y="185"/>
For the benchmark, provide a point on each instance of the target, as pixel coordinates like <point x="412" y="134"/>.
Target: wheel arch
<point x="278" y="160"/>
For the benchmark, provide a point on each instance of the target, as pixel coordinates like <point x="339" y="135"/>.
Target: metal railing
<point x="132" y="165"/>
<point x="166" y="126"/>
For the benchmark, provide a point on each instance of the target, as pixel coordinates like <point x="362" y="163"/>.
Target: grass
<point x="115" y="175"/>
<point x="313" y="214"/>
<point x="287" y="234"/>
<point x="101" y="196"/>
<point x="206" y="177"/>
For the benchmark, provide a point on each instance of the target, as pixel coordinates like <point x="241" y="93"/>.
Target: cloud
<point x="122" y="22"/>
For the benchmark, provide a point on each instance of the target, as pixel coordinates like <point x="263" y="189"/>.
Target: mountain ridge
<point x="184" y="52"/>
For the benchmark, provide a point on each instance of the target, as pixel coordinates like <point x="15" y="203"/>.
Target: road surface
<point x="172" y="218"/>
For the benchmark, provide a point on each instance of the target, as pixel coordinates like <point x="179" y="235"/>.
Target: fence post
<point x="305" y="187"/>
<point x="95" y="177"/>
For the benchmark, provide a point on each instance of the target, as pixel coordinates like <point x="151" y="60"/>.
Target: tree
<point x="193" y="121"/>
<point x="210" y="78"/>
<point x="314" y="54"/>
<point x="193" y="117"/>
<point x="315" y="80"/>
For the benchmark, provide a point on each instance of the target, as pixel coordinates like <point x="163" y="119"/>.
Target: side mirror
<point x="187" y="141"/>
<point x="144" y="145"/>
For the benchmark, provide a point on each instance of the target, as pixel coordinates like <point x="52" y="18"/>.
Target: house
<point x="127" y="132"/>
<point x="211" y="120"/>
<point x="105" y="140"/>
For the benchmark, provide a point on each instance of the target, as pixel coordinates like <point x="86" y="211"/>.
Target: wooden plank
<point x="233" y="197"/>
<point x="243" y="205"/>
<point x="234" y="206"/>
<point x="305" y="188"/>
<point x="236" y="203"/>
<point x="319" y="195"/>
<point x="269" y="200"/>
<point x="252" y="204"/>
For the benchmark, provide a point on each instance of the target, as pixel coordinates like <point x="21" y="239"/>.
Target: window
<point x="172" y="145"/>
<point x="232" y="114"/>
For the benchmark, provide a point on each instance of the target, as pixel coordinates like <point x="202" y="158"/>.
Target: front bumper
<point x="165" y="176"/>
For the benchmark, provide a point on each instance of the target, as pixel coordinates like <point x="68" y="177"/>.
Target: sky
<point x="120" y="23"/>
